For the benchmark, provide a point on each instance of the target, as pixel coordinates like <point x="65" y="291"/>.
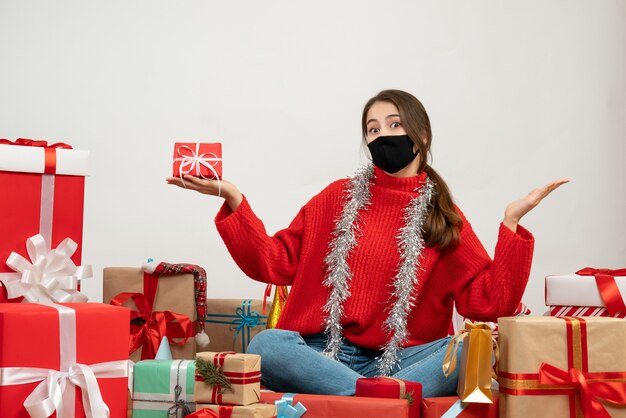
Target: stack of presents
<point x="157" y="347"/>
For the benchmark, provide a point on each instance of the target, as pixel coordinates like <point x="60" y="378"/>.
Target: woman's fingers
<point x="550" y="187"/>
<point x="205" y="186"/>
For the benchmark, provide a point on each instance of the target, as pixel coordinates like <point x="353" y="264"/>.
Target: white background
<point x="519" y="93"/>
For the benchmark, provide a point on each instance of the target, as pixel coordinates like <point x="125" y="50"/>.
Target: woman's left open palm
<point x="518" y="208"/>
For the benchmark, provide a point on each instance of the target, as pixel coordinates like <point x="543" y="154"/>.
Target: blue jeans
<point x="291" y="363"/>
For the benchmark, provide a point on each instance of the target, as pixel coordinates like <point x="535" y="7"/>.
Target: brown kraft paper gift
<point x="174" y="293"/>
<point x="557" y="367"/>
<point x="241" y="371"/>
<point x="232" y="323"/>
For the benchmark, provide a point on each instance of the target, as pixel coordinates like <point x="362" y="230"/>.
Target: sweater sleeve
<point x="486" y="289"/>
<point x="268" y="259"/>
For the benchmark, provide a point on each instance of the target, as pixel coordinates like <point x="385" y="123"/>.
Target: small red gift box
<point x="437" y="407"/>
<point x="388" y="387"/>
<point x="42" y="193"/>
<point x="198" y="159"/>
<point x="322" y="406"/>
<point x="41" y="345"/>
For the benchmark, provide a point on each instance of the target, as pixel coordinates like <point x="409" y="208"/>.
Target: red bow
<point x="224" y="411"/>
<point x="204" y="413"/>
<point x="50" y="156"/>
<point x="609" y="291"/>
<point x="155" y="326"/>
<point x="34" y="143"/>
<point x="588" y="388"/>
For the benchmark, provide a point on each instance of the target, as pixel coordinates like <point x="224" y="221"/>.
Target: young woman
<point x="375" y="264"/>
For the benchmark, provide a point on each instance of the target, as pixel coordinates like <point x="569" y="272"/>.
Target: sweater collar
<point x="406" y="184"/>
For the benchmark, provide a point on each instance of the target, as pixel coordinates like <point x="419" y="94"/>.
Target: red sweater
<point x="481" y="288"/>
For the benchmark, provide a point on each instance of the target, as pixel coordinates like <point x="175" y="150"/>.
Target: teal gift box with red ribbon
<point x="42" y="193"/>
<point x="232" y="323"/>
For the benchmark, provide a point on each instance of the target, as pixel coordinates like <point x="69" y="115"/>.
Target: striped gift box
<point x="583" y="311"/>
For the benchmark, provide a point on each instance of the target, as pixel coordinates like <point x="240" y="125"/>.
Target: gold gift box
<point x="256" y="410"/>
<point x="175" y="293"/>
<point x="526" y="343"/>
<point x="243" y="372"/>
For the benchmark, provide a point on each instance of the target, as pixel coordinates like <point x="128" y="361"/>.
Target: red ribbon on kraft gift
<point x="609" y="292"/>
<point x="50" y="162"/>
<point x="584" y="388"/>
<point x="235" y="378"/>
<point x="589" y="386"/>
<point x="155" y="326"/>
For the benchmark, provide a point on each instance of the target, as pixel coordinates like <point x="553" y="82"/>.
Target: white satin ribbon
<point x="50" y="276"/>
<point x="195" y="161"/>
<point x="48" y="395"/>
<point x="47" y="207"/>
<point x="54" y="393"/>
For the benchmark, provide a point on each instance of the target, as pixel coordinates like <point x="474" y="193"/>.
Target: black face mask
<point x="392" y="153"/>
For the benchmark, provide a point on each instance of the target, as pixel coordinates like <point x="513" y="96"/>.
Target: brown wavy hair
<point x="443" y="224"/>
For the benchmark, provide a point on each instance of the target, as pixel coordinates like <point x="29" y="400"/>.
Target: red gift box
<point x="437" y="407"/>
<point x="42" y="193"/>
<point x="38" y="340"/>
<point x="388" y="387"/>
<point x="198" y="159"/>
<point x="322" y="406"/>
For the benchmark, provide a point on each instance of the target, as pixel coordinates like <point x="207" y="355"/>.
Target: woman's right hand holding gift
<point x="221" y="188"/>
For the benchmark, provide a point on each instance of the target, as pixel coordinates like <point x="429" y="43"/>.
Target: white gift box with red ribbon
<point x="589" y="287"/>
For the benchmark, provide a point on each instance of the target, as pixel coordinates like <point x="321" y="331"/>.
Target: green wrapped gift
<point x="163" y="388"/>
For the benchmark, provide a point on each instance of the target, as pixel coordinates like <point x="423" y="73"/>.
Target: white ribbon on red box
<point x="191" y="162"/>
<point x="56" y="392"/>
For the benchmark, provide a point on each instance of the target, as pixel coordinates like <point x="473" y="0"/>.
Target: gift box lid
<point x="576" y="290"/>
<point x="32" y="159"/>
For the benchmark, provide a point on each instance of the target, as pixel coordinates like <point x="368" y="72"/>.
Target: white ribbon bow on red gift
<point x="48" y="395"/>
<point x="191" y="162"/>
<point x="57" y="388"/>
<point x="50" y="276"/>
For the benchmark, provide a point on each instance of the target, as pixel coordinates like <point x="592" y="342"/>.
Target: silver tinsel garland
<point x="410" y="246"/>
<point x="358" y="197"/>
